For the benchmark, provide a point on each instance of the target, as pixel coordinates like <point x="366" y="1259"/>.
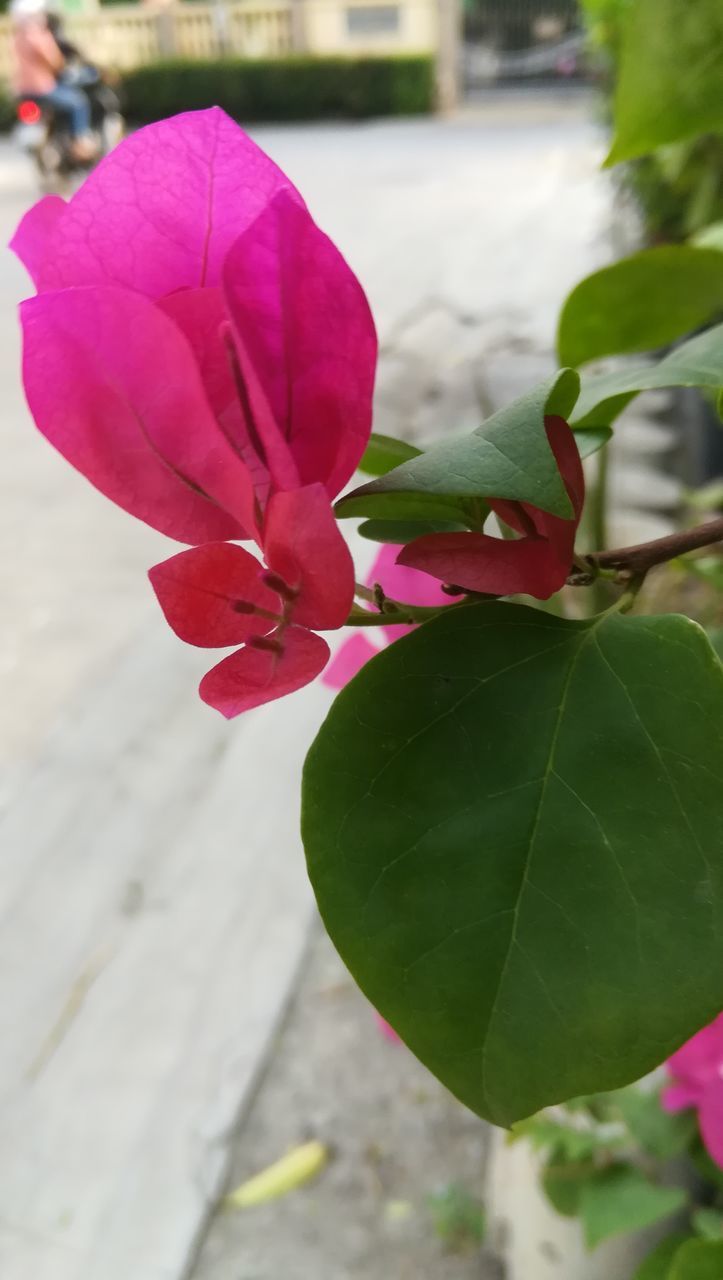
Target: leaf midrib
<point x="589" y="634"/>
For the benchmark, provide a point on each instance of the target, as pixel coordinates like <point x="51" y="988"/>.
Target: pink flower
<point x="398" y="583"/>
<point x="697" y="1071"/>
<point x="535" y="564"/>
<point x="197" y="344"/>
<point x="219" y="595"/>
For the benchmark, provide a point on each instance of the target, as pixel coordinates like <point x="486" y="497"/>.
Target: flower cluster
<point x="203" y="354"/>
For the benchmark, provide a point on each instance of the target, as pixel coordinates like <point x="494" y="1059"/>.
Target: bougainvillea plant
<point x="512" y="813"/>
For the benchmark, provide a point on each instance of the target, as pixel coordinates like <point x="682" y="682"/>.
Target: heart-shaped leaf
<point x="696" y="363"/>
<point x="641" y="303"/>
<point x="507" y="457"/>
<point x="514" y="832"/>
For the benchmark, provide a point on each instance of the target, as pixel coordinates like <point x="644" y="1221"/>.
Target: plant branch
<point x="396" y="614"/>
<point x="638" y="559"/>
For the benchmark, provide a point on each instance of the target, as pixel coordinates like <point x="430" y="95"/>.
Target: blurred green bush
<point x="679" y="187"/>
<point x="7" y="112"/>
<point x="295" y="88"/>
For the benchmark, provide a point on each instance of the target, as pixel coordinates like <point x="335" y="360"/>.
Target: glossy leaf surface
<point x="513" y="828"/>
<point x="641" y="303"/>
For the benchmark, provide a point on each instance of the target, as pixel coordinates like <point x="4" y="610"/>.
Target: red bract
<point x="197" y="343"/>
<point x="219" y="594"/>
<point x="535" y="564"/>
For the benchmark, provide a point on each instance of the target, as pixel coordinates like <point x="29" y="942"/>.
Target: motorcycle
<point x="46" y="136"/>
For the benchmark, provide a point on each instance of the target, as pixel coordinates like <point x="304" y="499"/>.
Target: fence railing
<point x="124" y="36"/>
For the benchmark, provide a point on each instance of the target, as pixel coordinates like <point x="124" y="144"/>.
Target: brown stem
<point x="638" y="559"/>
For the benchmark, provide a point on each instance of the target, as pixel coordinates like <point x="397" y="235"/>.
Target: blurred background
<point x="173" y="1019"/>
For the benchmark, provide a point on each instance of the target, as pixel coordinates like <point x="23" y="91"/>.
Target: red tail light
<point x="29" y="113"/>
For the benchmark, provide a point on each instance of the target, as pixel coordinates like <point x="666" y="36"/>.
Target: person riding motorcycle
<point x="38" y="74"/>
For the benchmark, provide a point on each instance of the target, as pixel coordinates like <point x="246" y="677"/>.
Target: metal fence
<point x="509" y="25"/>
<point x="517" y="40"/>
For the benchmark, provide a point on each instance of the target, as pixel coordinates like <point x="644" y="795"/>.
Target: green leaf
<point x="590" y="439"/>
<point x="565" y="1141"/>
<point x="706" y="568"/>
<point x="640" y="303"/>
<point x="708" y="1223"/>
<point x="507" y="457"/>
<point x="403" y="531"/>
<point x="658" y="1133"/>
<point x="698" y="1260"/>
<point x="710" y="237"/>
<point x="383" y="453"/>
<point x="503" y="814"/>
<point x="563" y="1182"/>
<point x="621" y="1199"/>
<point x="669" y="84"/>
<point x="405" y="507"/>
<point x="657" y="1264"/>
<point x="696" y="363"/>
<point x="706" y="1167"/>
<point x="716" y="638"/>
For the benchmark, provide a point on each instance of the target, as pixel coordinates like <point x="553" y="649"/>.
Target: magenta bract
<point x="186" y="289"/>
<point x="203" y="354"/>
<point x="697" y="1081"/>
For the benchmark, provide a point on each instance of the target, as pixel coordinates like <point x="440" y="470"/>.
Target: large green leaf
<point x="514" y="831"/>
<point x="698" y="1260"/>
<point x="622" y="1199"/>
<point x="696" y="363"/>
<point x="507" y="457"/>
<point x="641" y="303"/>
<point x="669" y="85"/>
<point x="657" y="1264"/>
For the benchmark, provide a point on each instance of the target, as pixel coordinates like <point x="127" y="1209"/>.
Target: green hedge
<point x="297" y="88"/>
<point x="8" y="116"/>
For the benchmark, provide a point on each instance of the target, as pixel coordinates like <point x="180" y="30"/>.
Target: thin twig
<point x="638" y="559"/>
